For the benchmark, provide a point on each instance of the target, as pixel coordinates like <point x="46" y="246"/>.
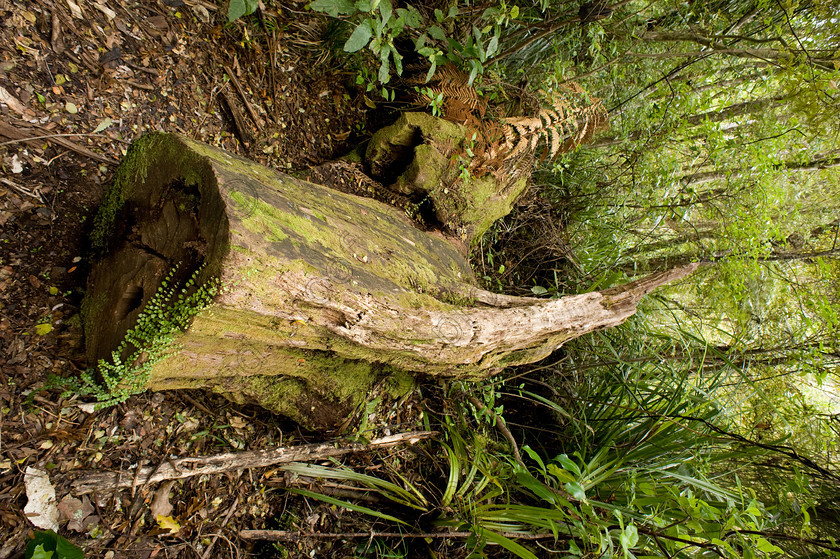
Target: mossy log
<point x="423" y="157"/>
<point x="323" y="296"/>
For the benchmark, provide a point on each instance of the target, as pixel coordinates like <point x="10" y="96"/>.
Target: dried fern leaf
<point x="545" y="118"/>
<point x="521" y="147"/>
<point x="510" y="136"/>
<point x="555" y="141"/>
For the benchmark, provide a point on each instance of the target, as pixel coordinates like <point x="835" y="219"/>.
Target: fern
<point x="167" y="314"/>
<point x="569" y="121"/>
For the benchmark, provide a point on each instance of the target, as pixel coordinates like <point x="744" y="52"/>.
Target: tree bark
<point x="324" y="294"/>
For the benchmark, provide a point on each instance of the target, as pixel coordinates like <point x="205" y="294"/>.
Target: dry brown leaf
<point x="160" y="505"/>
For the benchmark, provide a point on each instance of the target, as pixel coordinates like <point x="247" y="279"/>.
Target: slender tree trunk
<point x="823" y="59"/>
<point x="737" y="109"/>
<point x="818" y="163"/>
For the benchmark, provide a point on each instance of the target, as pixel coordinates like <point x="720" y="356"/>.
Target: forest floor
<point x="81" y="80"/>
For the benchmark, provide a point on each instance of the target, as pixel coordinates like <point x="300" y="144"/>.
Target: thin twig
<point x="23" y="190"/>
<point x="207" y="551"/>
<point x="49" y="136"/>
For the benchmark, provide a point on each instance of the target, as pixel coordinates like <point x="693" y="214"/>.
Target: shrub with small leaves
<point x="377" y="24"/>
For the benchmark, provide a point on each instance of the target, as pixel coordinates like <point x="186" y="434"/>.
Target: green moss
<point x="399" y="384"/>
<point x="355" y="156"/>
<point x="133" y="168"/>
<point x="256" y="223"/>
<point x="136" y="168"/>
<point x="282" y="396"/>
<point x="92" y="306"/>
<point x="276" y="225"/>
<point x="414" y="300"/>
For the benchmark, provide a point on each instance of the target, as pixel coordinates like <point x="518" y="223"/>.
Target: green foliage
<point x="240" y="8"/>
<point x="376" y="25"/>
<point x="435" y="100"/>
<point x="640" y="482"/>
<point x="49" y="545"/>
<point x="701" y="427"/>
<point x="167" y="314"/>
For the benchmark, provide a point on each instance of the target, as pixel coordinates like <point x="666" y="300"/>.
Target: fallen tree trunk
<point x="323" y="294"/>
<point x="182" y="468"/>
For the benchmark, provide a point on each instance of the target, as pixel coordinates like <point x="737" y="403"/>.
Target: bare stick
<point x="294" y="535"/>
<point x="209" y="549"/>
<point x="53" y="136"/>
<point x="182" y="468"/>
<point x="23" y="190"/>
<point x="241" y="91"/>
<point x="19" y="131"/>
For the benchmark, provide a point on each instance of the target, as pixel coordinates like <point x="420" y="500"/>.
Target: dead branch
<point x="294" y="535"/>
<point x="20" y="131"/>
<point x="241" y="91"/>
<point x="182" y="468"/>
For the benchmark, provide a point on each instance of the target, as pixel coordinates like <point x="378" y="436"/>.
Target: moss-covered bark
<point x="426" y="157"/>
<point x="323" y="294"/>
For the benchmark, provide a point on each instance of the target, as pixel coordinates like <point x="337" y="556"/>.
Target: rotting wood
<point x="241" y="129"/>
<point x="182" y="468"/>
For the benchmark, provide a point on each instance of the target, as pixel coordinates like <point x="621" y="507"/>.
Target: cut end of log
<point x="164" y="214"/>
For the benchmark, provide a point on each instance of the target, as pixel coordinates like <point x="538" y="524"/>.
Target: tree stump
<point x="323" y="294"/>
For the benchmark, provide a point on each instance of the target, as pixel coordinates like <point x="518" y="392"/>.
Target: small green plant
<point x="465" y="161"/>
<point x="378" y="24"/>
<point x="435" y="100"/>
<point x="241" y="8"/>
<point x="167" y="314"/>
<point x="49" y="545"/>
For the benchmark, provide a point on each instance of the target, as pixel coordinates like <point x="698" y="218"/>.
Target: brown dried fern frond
<point x="567" y="119"/>
<point x="555" y="142"/>
<point x="451" y="75"/>
<point x="456" y="110"/>
<point x="452" y="84"/>
<point x="467" y="96"/>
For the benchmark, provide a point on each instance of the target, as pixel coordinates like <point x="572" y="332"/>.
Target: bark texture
<point x="324" y="294"/>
